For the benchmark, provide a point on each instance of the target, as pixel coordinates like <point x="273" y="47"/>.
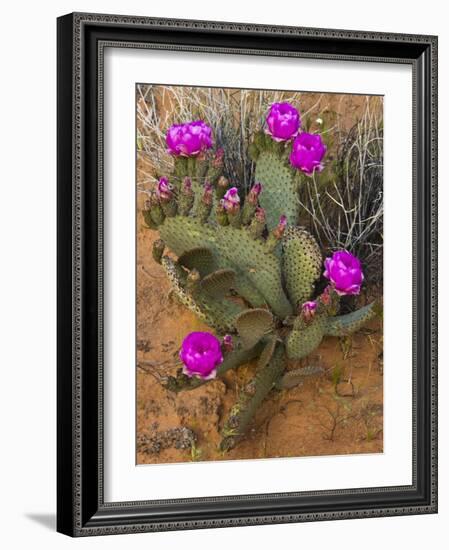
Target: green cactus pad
<point x="258" y="273"/>
<point x="149" y="220"/>
<point x="241" y="414"/>
<point x="301" y="342"/>
<point x="253" y="325"/>
<point x="279" y="189"/>
<point x="267" y="352"/>
<point x="296" y="377"/>
<point x="219" y="314"/>
<point x="200" y="258"/>
<point x="343" y="325"/>
<point x="219" y="283"/>
<point x="302" y="263"/>
<point x="158" y="250"/>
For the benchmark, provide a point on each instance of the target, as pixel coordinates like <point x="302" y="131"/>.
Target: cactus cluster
<point x="246" y="269"/>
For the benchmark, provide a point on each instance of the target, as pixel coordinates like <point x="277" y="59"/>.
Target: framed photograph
<point x="246" y="274"/>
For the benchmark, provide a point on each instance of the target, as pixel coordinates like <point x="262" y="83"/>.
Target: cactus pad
<point x="280" y="188"/>
<point x="293" y="378"/>
<point x="241" y="414"/>
<point x="200" y="258"/>
<point x="268" y="351"/>
<point x="258" y="273"/>
<point x="302" y="263"/>
<point x="301" y="342"/>
<point x="218" y="313"/>
<point x="351" y="322"/>
<point x="252" y="325"/>
<point x="219" y="283"/>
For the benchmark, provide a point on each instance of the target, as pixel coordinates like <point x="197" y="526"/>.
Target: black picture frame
<point x="81" y="510"/>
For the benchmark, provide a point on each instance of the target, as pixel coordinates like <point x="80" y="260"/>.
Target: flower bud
<point x="280" y="229"/>
<point x="326" y="297"/>
<point x="276" y="235"/>
<point x="308" y="310"/>
<point x="227" y="344"/>
<point x="257" y="224"/>
<point x="164" y="190"/>
<point x="205" y="206"/>
<point x="254" y="193"/>
<point x="207" y="197"/>
<point x="221" y="187"/>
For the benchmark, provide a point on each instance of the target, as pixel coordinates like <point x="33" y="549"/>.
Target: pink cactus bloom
<point x="307" y="153"/>
<point x="189" y="139"/>
<point x="201" y="355"/>
<point x="345" y="272"/>
<point x="231" y="199"/>
<point x="164" y="189"/>
<point x="283" y="121"/>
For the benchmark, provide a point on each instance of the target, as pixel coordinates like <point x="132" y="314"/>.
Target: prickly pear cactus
<point x="246" y="269"/>
<point x="280" y="182"/>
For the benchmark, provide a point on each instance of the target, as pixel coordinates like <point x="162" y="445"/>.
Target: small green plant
<point x="336" y="375"/>
<point x="195" y="453"/>
<point x="369" y="413"/>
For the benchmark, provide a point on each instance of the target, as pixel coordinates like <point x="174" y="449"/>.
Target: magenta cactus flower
<point x="283" y="121"/>
<point x="345" y="272"/>
<point x="231" y="199"/>
<point x="308" y="310"/>
<point x="189" y="139"/>
<point x="201" y="355"/>
<point x="164" y="189"/>
<point x="307" y="153"/>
